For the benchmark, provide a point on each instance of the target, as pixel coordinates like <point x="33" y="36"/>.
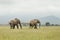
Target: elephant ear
<point x="31" y="21"/>
<point x="11" y="21"/>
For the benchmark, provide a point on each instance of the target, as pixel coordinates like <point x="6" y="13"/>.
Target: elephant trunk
<point x="20" y="25"/>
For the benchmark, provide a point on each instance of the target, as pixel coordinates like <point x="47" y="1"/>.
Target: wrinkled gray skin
<point x="14" y="23"/>
<point x="34" y="22"/>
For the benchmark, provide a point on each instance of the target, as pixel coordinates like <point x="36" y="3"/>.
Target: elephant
<point x="34" y="22"/>
<point x="14" y="23"/>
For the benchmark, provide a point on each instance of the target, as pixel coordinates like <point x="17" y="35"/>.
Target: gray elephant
<point x="34" y="22"/>
<point x="14" y="23"/>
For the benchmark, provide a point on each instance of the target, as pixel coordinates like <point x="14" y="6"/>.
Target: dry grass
<point x="43" y="33"/>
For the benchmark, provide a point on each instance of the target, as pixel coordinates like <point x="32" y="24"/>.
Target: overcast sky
<point x="30" y="7"/>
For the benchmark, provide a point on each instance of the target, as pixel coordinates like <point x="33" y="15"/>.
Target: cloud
<point x="37" y="7"/>
<point x="29" y="6"/>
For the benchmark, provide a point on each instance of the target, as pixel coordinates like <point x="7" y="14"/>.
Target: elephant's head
<point x="18" y="22"/>
<point x="11" y="23"/>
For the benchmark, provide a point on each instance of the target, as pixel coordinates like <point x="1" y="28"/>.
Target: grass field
<point x="43" y="33"/>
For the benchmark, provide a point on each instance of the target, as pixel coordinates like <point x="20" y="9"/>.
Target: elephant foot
<point x="35" y="27"/>
<point x="13" y="27"/>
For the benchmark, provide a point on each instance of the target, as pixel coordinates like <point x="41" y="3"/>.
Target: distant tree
<point x="52" y="24"/>
<point x="56" y="25"/>
<point x="47" y="24"/>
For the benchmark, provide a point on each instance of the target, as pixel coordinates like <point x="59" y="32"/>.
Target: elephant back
<point x="18" y="21"/>
<point x="13" y="22"/>
<point x="36" y="20"/>
<point x="32" y="22"/>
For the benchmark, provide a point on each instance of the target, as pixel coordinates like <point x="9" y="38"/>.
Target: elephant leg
<point x="21" y="27"/>
<point x="10" y="26"/>
<point x="31" y="26"/>
<point x="17" y="26"/>
<point x="35" y="27"/>
<point x="13" y="26"/>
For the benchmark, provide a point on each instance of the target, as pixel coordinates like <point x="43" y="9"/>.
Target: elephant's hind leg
<point x="13" y="26"/>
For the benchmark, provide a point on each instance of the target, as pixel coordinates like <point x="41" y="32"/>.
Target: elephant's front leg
<point x="11" y="26"/>
<point x="17" y="26"/>
<point x="31" y="26"/>
<point x="35" y="26"/>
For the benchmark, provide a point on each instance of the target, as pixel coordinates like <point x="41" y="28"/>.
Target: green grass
<point x="43" y="33"/>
